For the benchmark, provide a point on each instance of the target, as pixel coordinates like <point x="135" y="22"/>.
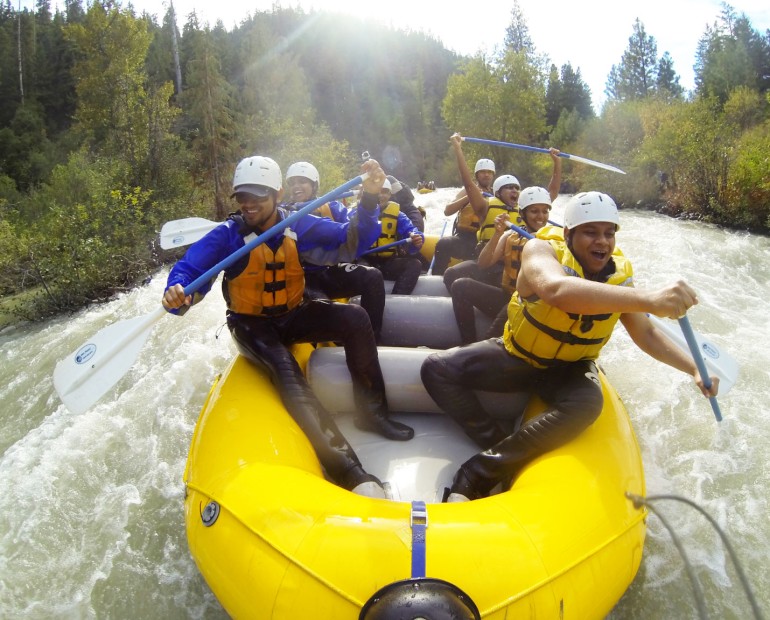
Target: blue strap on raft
<point x="419" y="523"/>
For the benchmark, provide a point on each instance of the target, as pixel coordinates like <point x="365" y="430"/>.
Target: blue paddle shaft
<point x="523" y="147"/>
<point x="689" y="336"/>
<point x="269" y="234"/>
<point x="387" y="246"/>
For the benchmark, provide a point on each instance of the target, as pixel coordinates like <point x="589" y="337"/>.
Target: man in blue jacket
<point x="267" y="310"/>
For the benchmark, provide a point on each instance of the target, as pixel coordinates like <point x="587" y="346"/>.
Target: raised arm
<point x="555" y="183"/>
<point x="476" y="198"/>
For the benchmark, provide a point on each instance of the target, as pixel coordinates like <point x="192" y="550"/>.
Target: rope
<point x="641" y="501"/>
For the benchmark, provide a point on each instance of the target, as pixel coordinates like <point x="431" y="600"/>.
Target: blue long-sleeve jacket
<point x="319" y="240"/>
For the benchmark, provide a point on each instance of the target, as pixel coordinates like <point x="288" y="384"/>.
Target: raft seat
<point x="423" y="467"/>
<point x="417" y="321"/>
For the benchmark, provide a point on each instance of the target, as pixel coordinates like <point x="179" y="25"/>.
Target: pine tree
<point x="209" y="105"/>
<point x="636" y="72"/>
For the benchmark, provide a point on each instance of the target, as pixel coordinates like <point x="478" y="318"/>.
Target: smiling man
<point x="572" y="288"/>
<point x="267" y="310"/>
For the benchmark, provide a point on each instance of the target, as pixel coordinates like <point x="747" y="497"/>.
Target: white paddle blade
<point x="597" y="164"/>
<point x="718" y="361"/>
<point x="179" y="233"/>
<point x="86" y="375"/>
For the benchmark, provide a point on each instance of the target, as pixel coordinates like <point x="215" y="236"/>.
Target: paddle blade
<point x="718" y="362"/>
<point x="87" y="374"/>
<point x="591" y="162"/>
<point x="184" y="232"/>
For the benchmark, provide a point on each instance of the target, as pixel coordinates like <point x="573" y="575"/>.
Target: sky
<point x="591" y="34"/>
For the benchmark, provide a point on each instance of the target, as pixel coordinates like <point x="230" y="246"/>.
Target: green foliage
<point x="748" y="193"/>
<point x="95" y="238"/>
<point x="109" y="72"/>
<point x="731" y="54"/>
<point x="505" y="100"/>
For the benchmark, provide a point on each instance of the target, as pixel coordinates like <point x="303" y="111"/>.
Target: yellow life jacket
<point x="514" y="244"/>
<point x="496" y="207"/>
<point x="545" y="336"/>
<point x="272" y="282"/>
<point x="467" y="220"/>
<point x="324" y="211"/>
<point x="389" y="221"/>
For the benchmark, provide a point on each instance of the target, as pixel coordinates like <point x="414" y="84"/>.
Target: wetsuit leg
<point x="468" y="294"/>
<point x="443" y="253"/>
<point x="466" y="269"/>
<point x="409" y="269"/>
<point x="574" y="393"/>
<point x="498" y="325"/>
<point x="321" y="321"/>
<point x="404" y="271"/>
<point x="259" y="340"/>
<point x="450" y="377"/>
<point x="349" y="279"/>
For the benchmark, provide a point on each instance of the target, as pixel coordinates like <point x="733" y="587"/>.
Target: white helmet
<point x="254" y="174"/>
<point x="303" y="169"/>
<point x="485" y="164"/>
<point x="503" y="180"/>
<point x="533" y="196"/>
<point x="386" y="185"/>
<point x="589" y="207"/>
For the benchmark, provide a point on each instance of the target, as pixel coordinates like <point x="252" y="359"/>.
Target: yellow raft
<point x="274" y="539"/>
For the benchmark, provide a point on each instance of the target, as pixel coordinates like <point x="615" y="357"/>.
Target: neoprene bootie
<point x="379" y="422"/>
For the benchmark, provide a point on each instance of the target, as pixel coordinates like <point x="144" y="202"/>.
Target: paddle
<point x="84" y="376"/>
<point x="179" y="233"/>
<point x="707" y="356"/>
<point x="433" y="260"/>
<point x="387" y="246"/>
<point x="538" y="149"/>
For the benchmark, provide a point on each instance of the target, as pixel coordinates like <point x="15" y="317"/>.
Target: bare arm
<point x="458" y="203"/>
<point x="656" y="344"/>
<point x="542" y="275"/>
<point x="494" y="250"/>
<point x="555" y="183"/>
<point x="475" y="197"/>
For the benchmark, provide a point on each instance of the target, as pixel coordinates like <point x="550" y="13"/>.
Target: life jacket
<point x="467" y="220"/>
<point x="514" y="244"/>
<point x="545" y="336"/>
<point x="271" y="283"/>
<point x="496" y="207"/>
<point x="324" y="211"/>
<point x="389" y="221"/>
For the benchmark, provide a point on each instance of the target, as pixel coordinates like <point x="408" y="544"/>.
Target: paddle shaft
<point x="689" y="336"/>
<point x="387" y="246"/>
<point x="539" y="149"/>
<point x="433" y="260"/>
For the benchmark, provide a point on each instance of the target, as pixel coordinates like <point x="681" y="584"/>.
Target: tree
<point x="209" y="103"/>
<point x="667" y="81"/>
<point x="505" y="100"/>
<point x="109" y="72"/>
<point x="517" y="37"/>
<point x="634" y="77"/>
<point x="731" y="54"/>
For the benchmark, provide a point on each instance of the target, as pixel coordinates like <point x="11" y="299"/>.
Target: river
<point x="92" y="524"/>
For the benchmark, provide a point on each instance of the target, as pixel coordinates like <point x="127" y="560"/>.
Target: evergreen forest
<point x="112" y="123"/>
